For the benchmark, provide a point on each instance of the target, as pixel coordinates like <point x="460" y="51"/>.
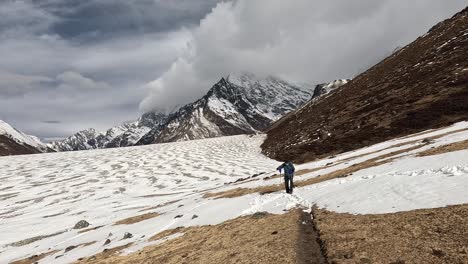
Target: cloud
<point x="51" y="121"/>
<point x="13" y="84"/>
<point x="91" y="63"/>
<point x="301" y="40"/>
<point x="51" y="68"/>
<point x="97" y="20"/>
<point x="20" y="17"/>
<point x="75" y="81"/>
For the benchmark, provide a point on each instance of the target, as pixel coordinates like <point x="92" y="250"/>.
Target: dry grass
<point x="107" y="253"/>
<point x="158" y="195"/>
<point x="89" y="229"/>
<point x="260" y="238"/>
<point x="422" y="236"/>
<point x="456" y="146"/>
<point x="34" y="258"/>
<point x="136" y="219"/>
<point x="382" y="159"/>
<point x="33" y="239"/>
<point x="158" y="206"/>
<point x="411" y="142"/>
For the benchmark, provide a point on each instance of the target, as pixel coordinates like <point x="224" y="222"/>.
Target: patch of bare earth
<point x="107" y="253"/>
<point x="259" y="238"/>
<point x="34" y="258"/>
<point x="158" y="206"/>
<point x="136" y="219"/>
<point x="33" y="239"/>
<point x="437" y="235"/>
<point x="456" y="146"/>
<point x="89" y="229"/>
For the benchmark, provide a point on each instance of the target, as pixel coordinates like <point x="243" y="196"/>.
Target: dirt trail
<point x="258" y="238"/>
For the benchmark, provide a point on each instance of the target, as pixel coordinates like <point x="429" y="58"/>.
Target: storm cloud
<point x="85" y="62"/>
<point x="301" y="40"/>
<point x="99" y="63"/>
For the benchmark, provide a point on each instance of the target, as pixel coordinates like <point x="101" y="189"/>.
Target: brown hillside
<point x="10" y="147"/>
<point x="422" y="86"/>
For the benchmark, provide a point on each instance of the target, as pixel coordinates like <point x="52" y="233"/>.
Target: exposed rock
<point x="325" y="88"/>
<point x="259" y="215"/>
<point x="427" y="141"/>
<point x="81" y="224"/>
<point x="127" y="235"/>
<point x="69" y="248"/>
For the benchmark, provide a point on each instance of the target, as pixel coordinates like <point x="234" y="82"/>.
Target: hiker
<point x="288" y="175"/>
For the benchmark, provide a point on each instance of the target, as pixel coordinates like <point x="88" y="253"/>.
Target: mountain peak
<point x="247" y="79"/>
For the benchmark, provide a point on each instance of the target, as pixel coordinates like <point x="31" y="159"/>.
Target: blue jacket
<point x="288" y="169"/>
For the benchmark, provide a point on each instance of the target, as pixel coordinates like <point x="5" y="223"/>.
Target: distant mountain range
<point x="236" y="104"/>
<point x="124" y="135"/>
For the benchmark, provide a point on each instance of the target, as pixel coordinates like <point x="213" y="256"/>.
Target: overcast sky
<point x="68" y="65"/>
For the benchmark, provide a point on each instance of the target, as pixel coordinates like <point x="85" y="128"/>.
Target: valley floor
<point x="202" y="202"/>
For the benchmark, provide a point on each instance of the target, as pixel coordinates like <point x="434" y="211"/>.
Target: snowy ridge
<point x="237" y="104"/>
<point x="20" y="137"/>
<point x="124" y="135"/>
<point x="105" y="186"/>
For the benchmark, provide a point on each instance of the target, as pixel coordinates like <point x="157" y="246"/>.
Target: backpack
<point x="288" y="168"/>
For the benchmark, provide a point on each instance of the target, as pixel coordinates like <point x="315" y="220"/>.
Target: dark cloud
<point x="300" y="40"/>
<point x="95" y="20"/>
<point x="51" y="121"/>
<point x="90" y="63"/>
<point x="53" y="68"/>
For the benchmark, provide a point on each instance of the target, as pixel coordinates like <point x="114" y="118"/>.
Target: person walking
<point x="289" y="169"/>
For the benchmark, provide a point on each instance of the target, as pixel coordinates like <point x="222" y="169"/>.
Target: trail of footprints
<point x="97" y="175"/>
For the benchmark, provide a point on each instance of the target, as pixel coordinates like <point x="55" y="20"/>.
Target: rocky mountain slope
<point x="119" y="136"/>
<point x="235" y="105"/>
<point x="421" y="86"/>
<point x="15" y="142"/>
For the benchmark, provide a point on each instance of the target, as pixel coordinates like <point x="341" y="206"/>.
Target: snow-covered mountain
<point x="13" y="141"/>
<point x="119" y="136"/>
<point x="237" y="104"/>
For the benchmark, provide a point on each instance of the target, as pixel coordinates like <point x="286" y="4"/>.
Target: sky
<point x="69" y="65"/>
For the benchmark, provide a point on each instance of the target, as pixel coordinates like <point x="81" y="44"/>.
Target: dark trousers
<point x="288" y="183"/>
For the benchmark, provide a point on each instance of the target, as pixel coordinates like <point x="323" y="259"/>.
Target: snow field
<point x="105" y="186"/>
<point x="48" y="193"/>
